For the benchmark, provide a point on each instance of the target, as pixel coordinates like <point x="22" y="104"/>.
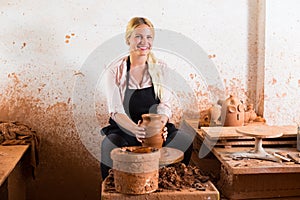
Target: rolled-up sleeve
<point x="113" y="93"/>
<point x="165" y="105"/>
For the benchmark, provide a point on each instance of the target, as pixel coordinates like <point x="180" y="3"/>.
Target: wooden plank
<point x="210" y="193"/>
<point x="9" y="157"/>
<point x="219" y="133"/>
<point x="228" y="137"/>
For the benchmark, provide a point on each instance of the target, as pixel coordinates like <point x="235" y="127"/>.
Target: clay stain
<point x="68" y="37"/>
<point x="192" y="76"/>
<point x="76" y="73"/>
<point x="274" y="81"/>
<point x="211" y="56"/>
<point x="23" y="45"/>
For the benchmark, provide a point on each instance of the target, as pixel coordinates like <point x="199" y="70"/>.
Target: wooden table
<point x="9" y="158"/>
<point x="248" y="178"/>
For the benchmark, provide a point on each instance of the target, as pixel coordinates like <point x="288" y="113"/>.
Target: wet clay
<point x="175" y="177"/>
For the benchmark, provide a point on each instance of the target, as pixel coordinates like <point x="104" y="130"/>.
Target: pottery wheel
<point x="169" y="156"/>
<point x="258" y="133"/>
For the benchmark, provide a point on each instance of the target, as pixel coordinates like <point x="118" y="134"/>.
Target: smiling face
<point x="140" y="40"/>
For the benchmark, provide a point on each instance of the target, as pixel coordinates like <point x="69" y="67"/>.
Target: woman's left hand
<point x="165" y="133"/>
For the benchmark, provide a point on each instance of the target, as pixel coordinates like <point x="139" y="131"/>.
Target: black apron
<point x="136" y="102"/>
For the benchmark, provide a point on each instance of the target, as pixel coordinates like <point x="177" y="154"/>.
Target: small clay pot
<point x="154" y="129"/>
<point x="246" y="117"/>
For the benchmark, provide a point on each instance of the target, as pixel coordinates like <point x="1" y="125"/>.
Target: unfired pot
<point x="154" y="129"/>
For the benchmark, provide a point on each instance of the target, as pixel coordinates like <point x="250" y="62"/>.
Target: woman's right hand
<point x="125" y="122"/>
<point x="140" y="134"/>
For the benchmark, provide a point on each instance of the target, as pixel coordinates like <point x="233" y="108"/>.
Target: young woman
<point x="134" y="86"/>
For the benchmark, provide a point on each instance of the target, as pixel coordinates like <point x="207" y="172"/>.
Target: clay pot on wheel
<point x="154" y="129"/>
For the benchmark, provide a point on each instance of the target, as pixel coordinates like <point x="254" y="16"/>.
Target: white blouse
<point x="115" y="86"/>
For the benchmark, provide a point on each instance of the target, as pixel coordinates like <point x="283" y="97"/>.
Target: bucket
<point x="135" y="169"/>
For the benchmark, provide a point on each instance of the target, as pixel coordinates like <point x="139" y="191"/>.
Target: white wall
<point x="282" y="69"/>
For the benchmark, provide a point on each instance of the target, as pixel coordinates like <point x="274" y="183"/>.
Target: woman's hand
<point x="141" y="133"/>
<point x="125" y="122"/>
<point x="165" y="133"/>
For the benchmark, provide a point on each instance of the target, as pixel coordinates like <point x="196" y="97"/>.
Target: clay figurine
<point x="232" y="113"/>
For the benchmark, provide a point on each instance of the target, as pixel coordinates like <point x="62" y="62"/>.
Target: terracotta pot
<point x="154" y="129"/>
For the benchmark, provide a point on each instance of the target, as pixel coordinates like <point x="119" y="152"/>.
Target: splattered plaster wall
<point x="282" y="69"/>
<point x="44" y="45"/>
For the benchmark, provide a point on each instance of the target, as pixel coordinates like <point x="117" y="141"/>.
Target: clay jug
<point x="215" y="114"/>
<point x="232" y="113"/>
<point x="154" y="129"/>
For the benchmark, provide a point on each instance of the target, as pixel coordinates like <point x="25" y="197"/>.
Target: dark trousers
<point x="179" y="139"/>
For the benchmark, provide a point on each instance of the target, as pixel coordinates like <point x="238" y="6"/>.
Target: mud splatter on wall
<point x="63" y="157"/>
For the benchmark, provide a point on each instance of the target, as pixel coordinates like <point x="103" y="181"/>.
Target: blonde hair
<point x="135" y="22"/>
<point x="153" y="70"/>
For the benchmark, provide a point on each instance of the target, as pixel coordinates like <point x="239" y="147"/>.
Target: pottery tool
<point x="294" y="158"/>
<point x="282" y="156"/>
